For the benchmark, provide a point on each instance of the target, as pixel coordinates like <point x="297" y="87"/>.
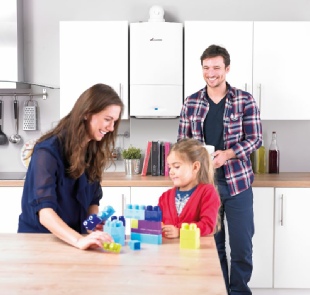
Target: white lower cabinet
<point x="10" y="209"/>
<point x="147" y="195"/>
<point x="117" y="197"/>
<point x="292" y="238"/>
<point x="262" y="276"/>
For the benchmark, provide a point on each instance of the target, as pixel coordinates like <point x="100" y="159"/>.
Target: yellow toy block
<point x="112" y="247"/>
<point x="134" y="223"/>
<point x="189" y="236"/>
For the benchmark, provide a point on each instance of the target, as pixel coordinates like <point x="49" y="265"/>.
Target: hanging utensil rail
<point x="15" y="94"/>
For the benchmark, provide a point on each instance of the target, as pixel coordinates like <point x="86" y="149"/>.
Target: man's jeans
<point x="238" y="210"/>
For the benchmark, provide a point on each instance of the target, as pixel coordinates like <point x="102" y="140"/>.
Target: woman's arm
<point x="50" y="219"/>
<point x="93" y="209"/>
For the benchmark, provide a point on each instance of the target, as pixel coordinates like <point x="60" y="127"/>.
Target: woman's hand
<point x="93" y="240"/>
<point x="170" y="231"/>
<point x="99" y="226"/>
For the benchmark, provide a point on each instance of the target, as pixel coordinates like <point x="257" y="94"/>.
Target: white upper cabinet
<point x="268" y="59"/>
<point x="92" y="52"/>
<point x="236" y="37"/>
<point x="280" y="69"/>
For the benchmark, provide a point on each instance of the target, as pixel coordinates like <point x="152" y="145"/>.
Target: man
<point x="229" y="119"/>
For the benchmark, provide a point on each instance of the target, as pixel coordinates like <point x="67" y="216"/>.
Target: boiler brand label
<point x="156" y="39"/>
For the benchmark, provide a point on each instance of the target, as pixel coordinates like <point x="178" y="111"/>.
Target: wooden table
<point x="42" y="264"/>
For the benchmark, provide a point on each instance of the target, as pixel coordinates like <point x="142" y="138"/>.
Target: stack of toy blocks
<point x="189" y="236"/>
<point x="116" y="230"/>
<point x="145" y="223"/>
<point x="94" y="219"/>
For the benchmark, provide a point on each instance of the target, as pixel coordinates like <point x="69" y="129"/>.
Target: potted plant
<point x="132" y="156"/>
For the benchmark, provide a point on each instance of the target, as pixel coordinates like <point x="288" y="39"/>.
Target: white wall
<point x="41" y="60"/>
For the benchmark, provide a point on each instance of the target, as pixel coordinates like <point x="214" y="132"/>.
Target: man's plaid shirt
<point x="242" y="132"/>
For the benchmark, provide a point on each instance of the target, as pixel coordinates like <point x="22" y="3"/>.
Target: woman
<point x="62" y="185"/>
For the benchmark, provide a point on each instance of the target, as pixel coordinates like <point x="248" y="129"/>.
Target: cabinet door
<point x="117" y="197"/>
<point x="235" y="36"/>
<point x="146" y="195"/>
<point x="292" y="238"/>
<point x="280" y="69"/>
<point x="262" y="276"/>
<point x="92" y="52"/>
<point x="10" y="209"/>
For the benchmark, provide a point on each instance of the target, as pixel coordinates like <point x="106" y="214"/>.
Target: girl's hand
<point x="93" y="240"/>
<point x="170" y="231"/>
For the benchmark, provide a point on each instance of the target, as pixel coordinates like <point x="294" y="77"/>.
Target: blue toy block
<point x="153" y="213"/>
<point x="134" y="245"/>
<point x="116" y="230"/>
<point x="135" y="211"/>
<point x="146" y="238"/>
<point x="120" y="218"/>
<point x="91" y="222"/>
<point x="106" y="213"/>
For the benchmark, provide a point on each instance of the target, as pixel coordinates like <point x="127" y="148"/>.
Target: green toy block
<point x="112" y="247"/>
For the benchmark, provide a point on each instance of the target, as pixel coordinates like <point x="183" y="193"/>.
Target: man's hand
<point x="220" y="157"/>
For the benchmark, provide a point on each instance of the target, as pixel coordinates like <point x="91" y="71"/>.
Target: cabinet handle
<point x="123" y="204"/>
<point x="246" y="87"/>
<point x="121" y="91"/>
<point x="260" y="95"/>
<point x="282" y="211"/>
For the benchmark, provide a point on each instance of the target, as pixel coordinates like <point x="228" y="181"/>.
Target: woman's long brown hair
<point x="82" y="156"/>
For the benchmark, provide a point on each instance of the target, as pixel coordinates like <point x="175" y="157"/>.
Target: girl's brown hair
<point x="192" y="150"/>
<point x="83" y="155"/>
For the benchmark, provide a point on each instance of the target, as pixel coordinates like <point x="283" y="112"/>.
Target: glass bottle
<point x="274" y="155"/>
<point x="260" y="160"/>
<point x="252" y="158"/>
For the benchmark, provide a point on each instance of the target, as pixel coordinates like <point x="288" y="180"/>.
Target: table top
<point x="42" y="264"/>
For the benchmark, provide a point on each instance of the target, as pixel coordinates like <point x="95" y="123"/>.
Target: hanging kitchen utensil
<point x="15" y="138"/>
<point x="3" y="137"/>
<point x="30" y="115"/>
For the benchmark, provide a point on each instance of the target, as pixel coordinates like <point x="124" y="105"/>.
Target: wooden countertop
<point x="42" y="264"/>
<point x="118" y="179"/>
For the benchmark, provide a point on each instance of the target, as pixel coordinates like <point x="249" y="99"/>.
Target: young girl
<point x="194" y="198"/>
<point x="62" y="185"/>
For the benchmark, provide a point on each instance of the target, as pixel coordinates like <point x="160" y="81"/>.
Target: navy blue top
<point x="47" y="185"/>
<point x="213" y="131"/>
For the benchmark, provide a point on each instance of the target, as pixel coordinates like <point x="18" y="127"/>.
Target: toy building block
<point x="146" y="227"/>
<point x="120" y="218"/>
<point x="134" y="245"/>
<point x="106" y="213"/>
<point x="94" y="219"/>
<point x="134" y="224"/>
<point x="112" y="247"/>
<point x="135" y="211"/>
<point x="116" y="230"/>
<point x="91" y="222"/>
<point x="146" y="238"/>
<point x="153" y="213"/>
<point x="189" y="236"/>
